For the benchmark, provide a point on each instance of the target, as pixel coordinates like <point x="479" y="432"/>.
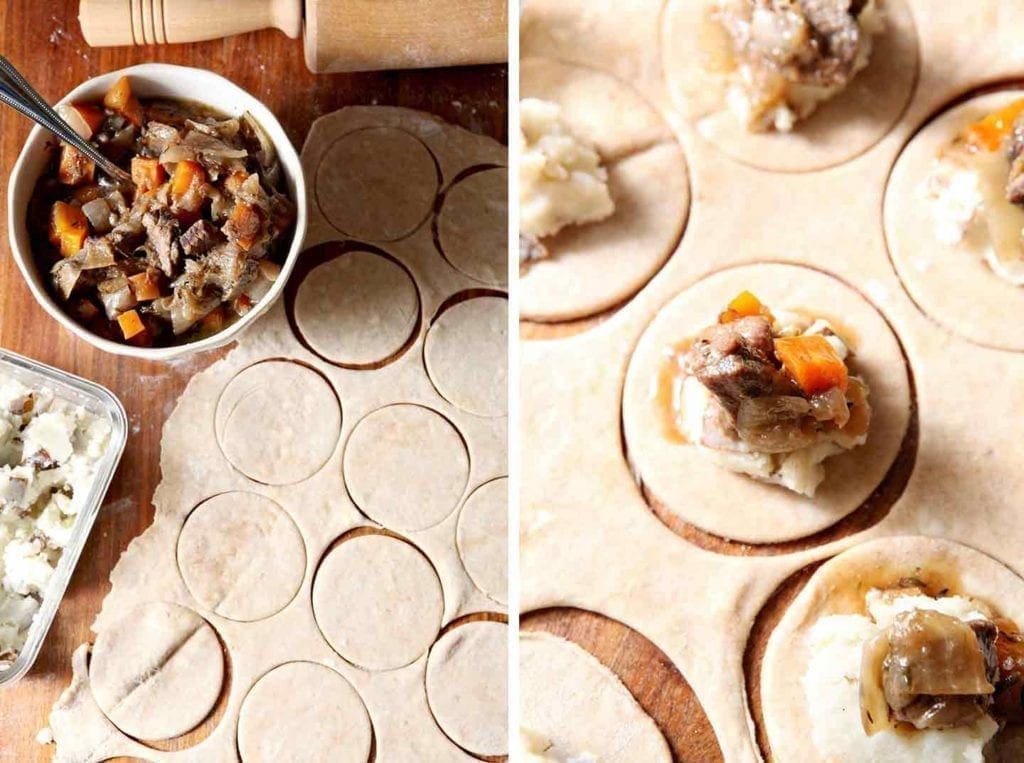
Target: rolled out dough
<point x="467" y="686"/>
<point x="278" y="422"/>
<point x="573" y="702"/>
<point x="472" y="226"/>
<point x="241" y="556"/>
<point x="306" y="713"/>
<point x="357" y="309"/>
<point x="377" y="601"/>
<point x="481" y="538"/>
<point x="842" y="128"/>
<point x="158" y="671"/>
<point x="466" y="355"/>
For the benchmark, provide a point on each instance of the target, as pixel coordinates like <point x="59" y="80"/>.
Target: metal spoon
<point x="17" y="93"/>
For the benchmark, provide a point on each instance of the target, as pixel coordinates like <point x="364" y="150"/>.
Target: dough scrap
<point x="467" y="685"/>
<point x="466" y="354"/>
<point x="572" y="701"/>
<point x="481" y="537"/>
<point x="266" y="410"/>
<point x="841" y="129"/>
<point x="406" y="466"/>
<point x="303" y="711"/>
<point x="472" y="226"/>
<point x="157" y="673"/>
<point x="358" y="308"/>
<point x="390" y="172"/>
<point x="241" y="556"/>
<point x="377" y="601"/>
<point x="733" y="505"/>
<point x="949" y="282"/>
<point x="838" y="587"/>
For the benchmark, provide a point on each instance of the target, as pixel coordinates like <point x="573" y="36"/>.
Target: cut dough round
<point x="406" y="467"/>
<point x="467" y="686"/>
<point x="597" y="266"/>
<point x="377" y="184"/>
<point x="377" y="601"/>
<point x="733" y="505"/>
<point x="950" y="283"/>
<point x="839" y="130"/>
<point x="241" y="556"/>
<point x="303" y="711"/>
<point x="839" y="587"/>
<point x="466" y="355"/>
<point x="278" y="422"/>
<point x="472" y="226"/>
<point x="573" y="703"/>
<point x="356" y="309"/>
<point x="157" y="672"/>
<point x="482" y="538"/>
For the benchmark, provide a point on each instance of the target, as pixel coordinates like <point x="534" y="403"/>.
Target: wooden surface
<point x="41" y="37"/>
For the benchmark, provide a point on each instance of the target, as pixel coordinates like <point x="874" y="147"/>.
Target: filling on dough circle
<point x="378" y="601"/>
<point x="304" y="711"/>
<point x="482" y="536"/>
<point x="472" y="226"/>
<point x="790" y="86"/>
<point x="241" y="556"/>
<point x="902" y="649"/>
<point x="278" y="422"/>
<point x="406" y="467"/>
<point x="763" y="399"/>
<point x="616" y="244"/>
<point x="357" y="309"/>
<point x="467" y="686"/>
<point x="157" y="672"/>
<point x="466" y="355"/>
<point x="377" y="184"/>
<point x="954" y="216"/>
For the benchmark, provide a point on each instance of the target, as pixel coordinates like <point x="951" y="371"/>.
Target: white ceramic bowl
<point x="148" y="81"/>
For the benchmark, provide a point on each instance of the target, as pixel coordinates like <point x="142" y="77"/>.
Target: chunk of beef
<point x="162" y="230"/>
<point x="736" y="361"/>
<point x="200" y="238"/>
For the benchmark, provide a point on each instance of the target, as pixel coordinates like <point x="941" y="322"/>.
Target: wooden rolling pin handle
<point x="147" y="22"/>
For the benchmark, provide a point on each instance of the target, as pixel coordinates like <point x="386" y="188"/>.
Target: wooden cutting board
<point x="41" y="37"/>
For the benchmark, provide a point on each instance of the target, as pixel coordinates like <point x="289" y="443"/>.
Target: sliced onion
<point x="98" y="212"/>
<point x="830" y="406"/>
<point x="773" y="424"/>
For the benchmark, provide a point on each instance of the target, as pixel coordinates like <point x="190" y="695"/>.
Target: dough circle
<point x="278" y="422"/>
<point x="157" y="672"/>
<point x="356" y="309"/>
<point x="838" y="587"/>
<point x="377" y="184"/>
<point x="467" y="686"/>
<point x="377" y="601"/>
<point x="406" y="467"/>
<point x="472" y="226"/>
<point x="466" y="355"/>
<point x="949" y="282"/>
<point x="241" y="556"/>
<point x="572" y="701"/>
<point x="597" y="266"/>
<point x="482" y="538"/>
<point x="839" y="130"/>
<point x="302" y="711"/>
<point x="733" y="505"/>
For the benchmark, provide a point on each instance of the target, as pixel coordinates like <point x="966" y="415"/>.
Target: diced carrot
<point x="148" y="174"/>
<point x="144" y="287"/>
<point x="68" y="228"/>
<point x="91" y="114"/>
<point x="121" y="99"/>
<point x="213" y="321"/>
<point x="75" y="167"/>
<point x="243" y="225"/>
<point x="186" y="185"/>
<point x="131" y="324"/>
<point x="989" y="132"/>
<point x="813" y="363"/>
<point x="744" y="305"/>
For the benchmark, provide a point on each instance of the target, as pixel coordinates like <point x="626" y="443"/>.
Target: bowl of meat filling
<point x="191" y="252"/>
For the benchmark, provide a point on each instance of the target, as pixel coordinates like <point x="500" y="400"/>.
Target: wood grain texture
<point x="42" y="38"/>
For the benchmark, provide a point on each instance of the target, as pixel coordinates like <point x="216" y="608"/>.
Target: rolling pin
<point x="341" y="35"/>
